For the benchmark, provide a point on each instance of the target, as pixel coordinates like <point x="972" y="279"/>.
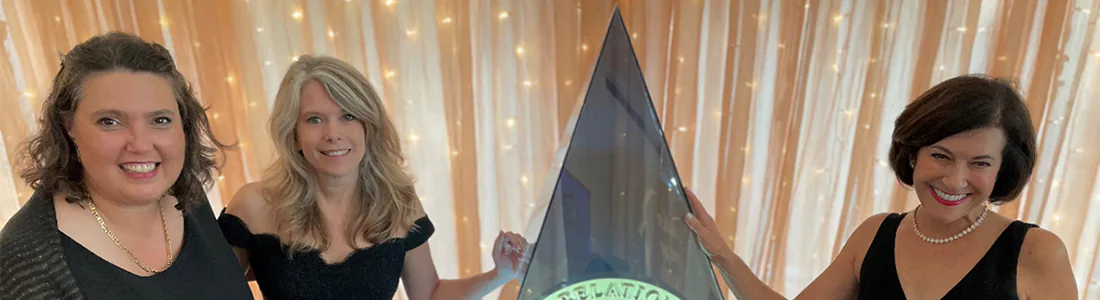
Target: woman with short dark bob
<point x="963" y="145"/>
<point x="118" y="169"/>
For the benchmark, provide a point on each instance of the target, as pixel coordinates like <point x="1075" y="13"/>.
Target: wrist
<point x="498" y="278"/>
<point x="723" y="258"/>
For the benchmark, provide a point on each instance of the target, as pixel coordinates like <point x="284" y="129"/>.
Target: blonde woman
<point x="336" y="216"/>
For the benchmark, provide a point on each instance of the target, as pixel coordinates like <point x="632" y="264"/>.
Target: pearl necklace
<point x="953" y="237"/>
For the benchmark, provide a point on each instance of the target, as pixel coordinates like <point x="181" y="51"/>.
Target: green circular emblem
<point x="612" y="289"/>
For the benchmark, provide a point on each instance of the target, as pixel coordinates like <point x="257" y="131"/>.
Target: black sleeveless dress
<point x="994" y="277"/>
<point x="371" y="273"/>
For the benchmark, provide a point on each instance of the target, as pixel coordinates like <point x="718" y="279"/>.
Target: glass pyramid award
<point x="614" y="227"/>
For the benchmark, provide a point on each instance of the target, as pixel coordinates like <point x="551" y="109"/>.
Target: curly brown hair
<point x="50" y="162"/>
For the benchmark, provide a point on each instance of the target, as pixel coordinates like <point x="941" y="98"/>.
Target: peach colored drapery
<point x="779" y="112"/>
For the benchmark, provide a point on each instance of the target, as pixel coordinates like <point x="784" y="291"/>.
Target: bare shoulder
<point x="1042" y="247"/>
<point x="418" y="209"/>
<point x="861" y="239"/>
<point x="1044" y="266"/>
<point x="250" y="205"/>
<point x="866" y="230"/>
<point x="841" y="279"/>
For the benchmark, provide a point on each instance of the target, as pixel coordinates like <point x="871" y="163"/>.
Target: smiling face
<point x="128" y="133"/>
<point x="956" y="175"/>
<point x="331" y="139"/>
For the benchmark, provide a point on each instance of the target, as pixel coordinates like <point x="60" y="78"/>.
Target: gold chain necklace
<point x="167" y="240"/>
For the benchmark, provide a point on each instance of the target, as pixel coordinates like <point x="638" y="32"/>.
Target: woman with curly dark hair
<point x="118" y="168"/>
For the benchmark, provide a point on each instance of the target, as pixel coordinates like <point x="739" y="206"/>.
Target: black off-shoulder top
<point x="370" y="273"/>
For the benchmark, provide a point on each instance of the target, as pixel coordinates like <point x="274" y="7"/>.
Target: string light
<point x="873" y="95"/>
<point x="331" y="34"/>
<point x="745" y="180"/>
<point x="259" y="29"/>
<point x="510" y="122"/>
<point x="28" y="94"/>
<point x="523" y="179"/>
<point x="519" y="50"/>
<point x="229" y="79"/>
<point x="297" y="15"/>
<point x="527" y="83"/>
<point x="502" y="15"/>
<point x="295" y="58"/>
<point x="960" y="29"/>
<point x="465" y="219"/>
<point x="57" y="19"/>
<point x="941" y="67"/>
<point x="446" y="20"/>
<point x="634" y="35"/>
<point x="390" y="74"/>
<point x="781" y="46"/>
<point x="681" y="59"/>
<point x="410" y="32"/>
<point x="676" y="91"/>
<point x="838" y="18"/>
<point x="413" y="137"/>
<point x="164" y="21"/>
<point x="1002" y="58"/>
<point x="267" y="62"/>
<point x="836" y="68"/>
<point x="568" y="82"/>
<point x="683" y="129"/>
<point x="733" y="209"/>
<point x="584" y="47"/>
<point x="507" y="147"/>
<point x="1096" y="53"/>
<point x="252" y="104"/>
<point x="454" y="153"/>
<point x="215" y="116"/>
<point x="221" y="177"/>
<point x="197" y="44"/>
<point x="388" y="3"/>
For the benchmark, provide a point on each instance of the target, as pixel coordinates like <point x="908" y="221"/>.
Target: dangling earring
<point x="912" y="164"/>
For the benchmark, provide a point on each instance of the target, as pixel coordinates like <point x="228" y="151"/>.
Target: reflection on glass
<point x="614" y="228"/>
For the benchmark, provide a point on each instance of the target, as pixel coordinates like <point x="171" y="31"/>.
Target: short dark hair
<point x="962" y="104"/>
<point x="50" y="159"/>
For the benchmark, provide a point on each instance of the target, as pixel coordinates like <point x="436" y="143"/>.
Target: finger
<point x="694" y="224"/>
<point x="498" y="245"/>
<point x="697" y="208"/>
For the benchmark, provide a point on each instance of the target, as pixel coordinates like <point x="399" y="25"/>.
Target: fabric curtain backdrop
<point x="779" y="113"/>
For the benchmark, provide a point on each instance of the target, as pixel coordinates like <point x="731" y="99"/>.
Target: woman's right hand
<point x="703" y="226"/>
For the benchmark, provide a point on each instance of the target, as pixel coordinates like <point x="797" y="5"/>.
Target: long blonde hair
<point x="386" y="200"/>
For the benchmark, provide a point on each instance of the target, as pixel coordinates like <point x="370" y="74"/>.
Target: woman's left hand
<point x="510" y="255"/>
